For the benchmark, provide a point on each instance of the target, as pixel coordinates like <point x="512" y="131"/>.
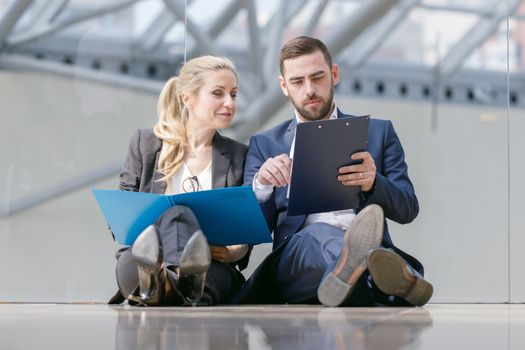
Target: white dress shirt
<point x="339" y="218"/>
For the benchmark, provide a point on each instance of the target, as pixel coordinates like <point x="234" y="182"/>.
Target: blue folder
<point x="226" y="215"/>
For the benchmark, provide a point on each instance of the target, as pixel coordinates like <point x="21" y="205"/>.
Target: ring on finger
<point x="361" y="176"/>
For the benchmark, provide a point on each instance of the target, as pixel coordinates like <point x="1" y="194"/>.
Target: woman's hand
<point x="228" y="254"/>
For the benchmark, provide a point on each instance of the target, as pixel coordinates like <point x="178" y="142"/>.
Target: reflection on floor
<point x="52" y="326"/>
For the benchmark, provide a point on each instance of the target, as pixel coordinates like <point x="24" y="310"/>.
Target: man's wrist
<point x="368" y="193"/>
<point x="262" y="192"/>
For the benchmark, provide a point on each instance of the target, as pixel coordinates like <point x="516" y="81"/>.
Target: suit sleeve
<point x="254" y="160"/>
<point x="132" y="170"/>
<point x="393" y="190"/>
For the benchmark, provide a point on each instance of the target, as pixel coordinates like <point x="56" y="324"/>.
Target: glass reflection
<point x="320" y="328"/>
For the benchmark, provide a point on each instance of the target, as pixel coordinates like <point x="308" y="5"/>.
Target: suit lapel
<point x="342" y="115"/>
<point x="289" y="135"/>
<point x="157" y="186"/>
<point x="220" y="162"/>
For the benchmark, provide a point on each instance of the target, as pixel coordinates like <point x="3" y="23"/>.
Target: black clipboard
<point x="321" y="148"/>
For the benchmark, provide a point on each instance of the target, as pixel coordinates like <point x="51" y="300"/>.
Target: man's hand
<point x="275" y="171"/>
<point x="363" y="174"/>
<point x="228" y="254"/>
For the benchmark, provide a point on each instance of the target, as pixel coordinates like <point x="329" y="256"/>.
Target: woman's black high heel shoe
<point x="154" y="286"/>
<point x="147" y="253"/>
<point x="195" y="261"/>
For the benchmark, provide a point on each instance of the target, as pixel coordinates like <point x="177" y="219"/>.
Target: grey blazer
<point x="139" y="173"/>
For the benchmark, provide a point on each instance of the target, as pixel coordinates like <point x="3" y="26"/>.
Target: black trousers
<point x="222" y="280"/>
<point x="175" y="227"/>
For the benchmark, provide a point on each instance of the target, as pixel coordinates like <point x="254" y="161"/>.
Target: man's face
<point x="309" y="83"/>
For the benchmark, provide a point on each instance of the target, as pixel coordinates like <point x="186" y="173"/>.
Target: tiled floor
<point x="50" y="326"/>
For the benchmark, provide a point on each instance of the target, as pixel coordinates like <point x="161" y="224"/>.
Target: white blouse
<point x="184" y="181"/>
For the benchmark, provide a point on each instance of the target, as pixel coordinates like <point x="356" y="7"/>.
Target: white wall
<point x="54" y="129"/>
<point x="517" y="207"/>
<point x="459" y="170"/>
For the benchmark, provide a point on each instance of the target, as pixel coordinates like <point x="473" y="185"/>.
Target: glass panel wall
<point x="79" y="77"/>
<point x="517" y="161"/>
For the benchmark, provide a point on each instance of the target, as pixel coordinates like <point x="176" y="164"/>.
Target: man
<point x="336" y="258"/>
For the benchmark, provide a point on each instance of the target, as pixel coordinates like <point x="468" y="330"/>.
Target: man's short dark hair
<point x="303" y="45"/>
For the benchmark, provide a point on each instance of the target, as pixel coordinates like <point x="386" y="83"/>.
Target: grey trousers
<point x="222" y="280"/>
<point x="175" y="226"/>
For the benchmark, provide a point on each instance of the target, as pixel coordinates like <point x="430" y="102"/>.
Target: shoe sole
<point x="146" y="249"/>
<point x="196" y="257"/>
<point x="365" y="233"/>
<point x="147" y="252"/>
<point x="195" y="261"/>
<point x="392" y="276"/>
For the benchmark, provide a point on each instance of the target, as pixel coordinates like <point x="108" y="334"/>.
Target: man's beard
<point x="322" y="113"/>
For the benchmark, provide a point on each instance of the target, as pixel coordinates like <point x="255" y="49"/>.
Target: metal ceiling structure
<point x="150" y="56"/>
<point x="40" y="35"/>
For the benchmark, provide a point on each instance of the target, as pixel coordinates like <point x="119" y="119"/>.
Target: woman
<point x="171" y="263"/>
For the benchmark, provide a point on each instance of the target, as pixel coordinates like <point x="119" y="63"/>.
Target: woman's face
<point x="214" y="104"/>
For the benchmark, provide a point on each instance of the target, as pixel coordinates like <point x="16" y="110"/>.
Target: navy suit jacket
<point x="392" y="190"/>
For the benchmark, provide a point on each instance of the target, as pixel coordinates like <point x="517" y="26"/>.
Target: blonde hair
<point x="171" y="125"/>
